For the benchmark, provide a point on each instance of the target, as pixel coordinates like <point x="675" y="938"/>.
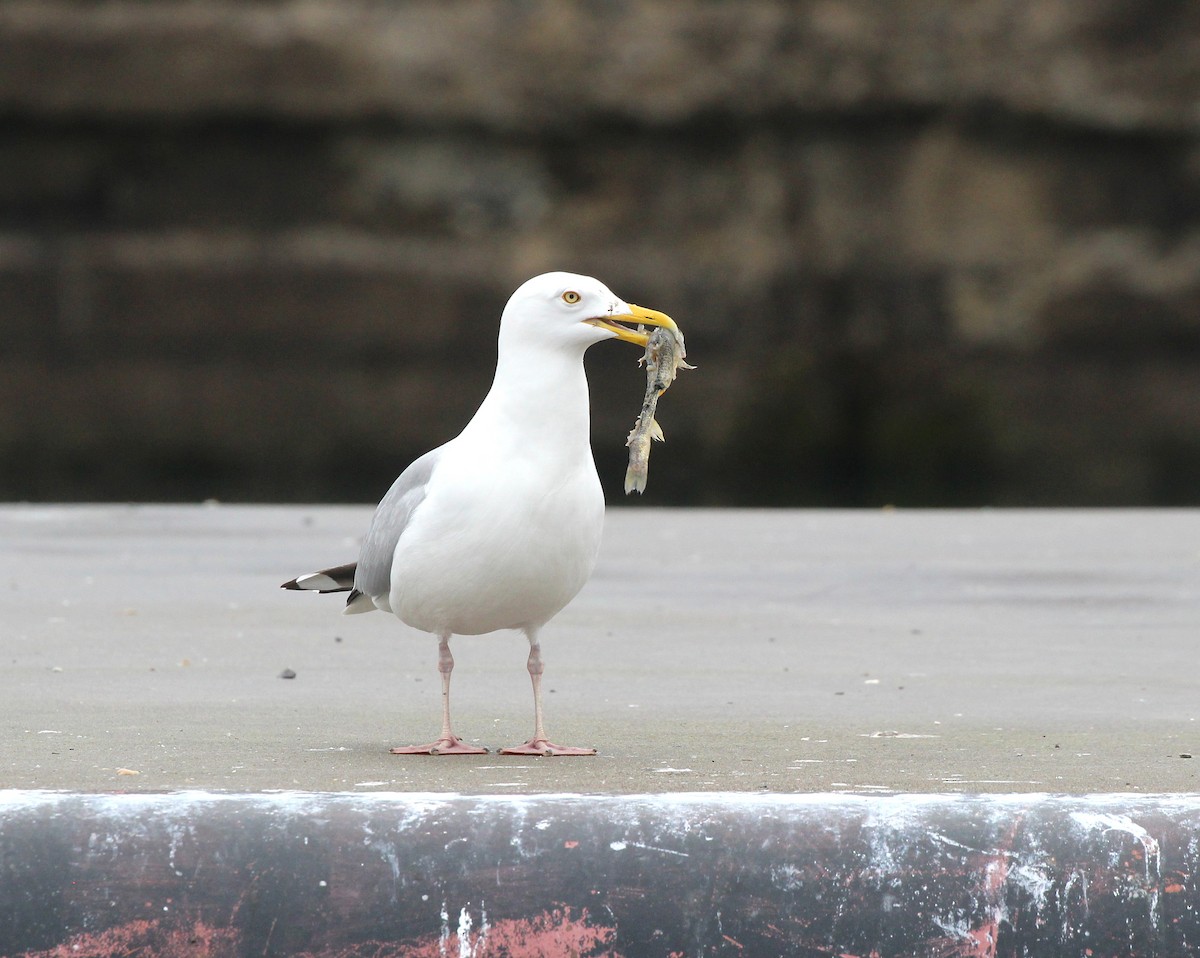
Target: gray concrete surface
<point x="789" y="651"/>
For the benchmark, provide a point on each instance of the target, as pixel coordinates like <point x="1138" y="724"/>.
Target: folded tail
<point x="338" y="579"/>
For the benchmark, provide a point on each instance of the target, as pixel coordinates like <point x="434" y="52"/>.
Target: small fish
<point x="664" y="358"/>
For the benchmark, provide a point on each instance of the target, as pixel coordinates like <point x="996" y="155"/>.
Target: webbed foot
<point x="541" y="746"/>
<point x="452" y="745"/>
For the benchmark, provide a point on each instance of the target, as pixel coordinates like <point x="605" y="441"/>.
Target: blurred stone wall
<point x="929" y="252"/>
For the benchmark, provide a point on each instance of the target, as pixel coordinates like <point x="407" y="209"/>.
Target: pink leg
<point x="448" y="743"/>
<point x="539" y="744"/>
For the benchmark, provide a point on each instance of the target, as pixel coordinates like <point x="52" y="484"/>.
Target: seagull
<point x="499" y="528"/>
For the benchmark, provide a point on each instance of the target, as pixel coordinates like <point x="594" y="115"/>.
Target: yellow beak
<point x="638" y="315"/>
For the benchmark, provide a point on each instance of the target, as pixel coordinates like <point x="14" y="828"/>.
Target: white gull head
<point x="570" y="312"/>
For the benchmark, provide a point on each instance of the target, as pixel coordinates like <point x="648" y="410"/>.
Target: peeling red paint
<point x="551" y="934"/>
<point x="981" y="941"/>
<point x="153" y="939"/>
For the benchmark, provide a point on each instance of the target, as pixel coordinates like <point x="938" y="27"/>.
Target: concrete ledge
<point x="389" y="874"/>
<point x="712" y="651"/>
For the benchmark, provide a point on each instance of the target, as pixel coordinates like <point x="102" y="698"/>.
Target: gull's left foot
<point x="541" y="746"/>
<point x="446" y="745"/>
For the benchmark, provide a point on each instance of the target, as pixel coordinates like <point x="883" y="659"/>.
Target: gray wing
<point x="374" y="574"/>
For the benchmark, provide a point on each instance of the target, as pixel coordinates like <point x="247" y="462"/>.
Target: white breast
<point x="501" y="541"/>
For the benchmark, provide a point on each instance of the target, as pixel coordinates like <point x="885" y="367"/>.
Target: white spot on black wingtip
<point x="317" y="580"/>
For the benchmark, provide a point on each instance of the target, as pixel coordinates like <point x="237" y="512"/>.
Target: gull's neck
<point x="540" y="394"/>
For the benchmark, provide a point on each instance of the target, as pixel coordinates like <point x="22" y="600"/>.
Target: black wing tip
<point x="295" y="586"/>
<point x="354" y="594"/>
<point x="338" y="579"/>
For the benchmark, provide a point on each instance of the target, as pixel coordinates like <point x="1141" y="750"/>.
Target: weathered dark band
<point x="329" y="874"/>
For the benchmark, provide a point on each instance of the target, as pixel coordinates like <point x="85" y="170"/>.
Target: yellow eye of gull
<point x="570" y="297"/>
